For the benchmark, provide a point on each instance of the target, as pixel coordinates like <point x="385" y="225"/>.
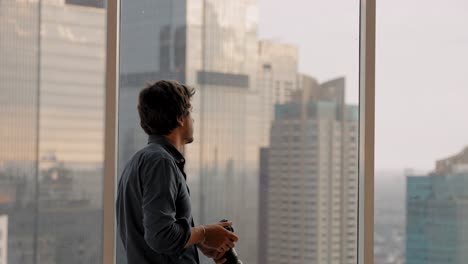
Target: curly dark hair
<point x="161" y="103"/>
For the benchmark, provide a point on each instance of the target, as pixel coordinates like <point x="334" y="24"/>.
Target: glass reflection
<point x="275" y="151"/>
<point x="51" y="154"/>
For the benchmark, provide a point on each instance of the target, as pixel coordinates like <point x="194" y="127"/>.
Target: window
<point x="52" y="134"/>
<point x="309" y="90"/>
<point x="421" y="132"/>
<point x="267" y="89"/>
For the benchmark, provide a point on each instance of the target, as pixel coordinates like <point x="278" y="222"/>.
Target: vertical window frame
<point x="366" y="131"/>
<point x="111" y="131"/>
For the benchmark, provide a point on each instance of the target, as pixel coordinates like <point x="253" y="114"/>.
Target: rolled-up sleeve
<point x="164" y="233"/>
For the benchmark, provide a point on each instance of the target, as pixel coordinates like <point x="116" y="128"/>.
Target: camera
<point x="231" y="255"/>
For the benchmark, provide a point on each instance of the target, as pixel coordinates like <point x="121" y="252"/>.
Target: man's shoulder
<point x="154" y="160"/>
<point x="153" y="153"/>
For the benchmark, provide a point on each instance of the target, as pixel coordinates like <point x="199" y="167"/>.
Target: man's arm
<point x="197" y="236"/>
<point x="163" y="232"/>
<point x="213" y="236"/>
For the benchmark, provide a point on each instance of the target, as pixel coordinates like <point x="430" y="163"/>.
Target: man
<point x="153" y="204"/>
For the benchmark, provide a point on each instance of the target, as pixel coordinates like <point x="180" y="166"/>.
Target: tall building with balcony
<point x="309" y="174"/>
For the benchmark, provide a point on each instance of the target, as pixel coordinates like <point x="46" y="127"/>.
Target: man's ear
<point x="180" y="120"/>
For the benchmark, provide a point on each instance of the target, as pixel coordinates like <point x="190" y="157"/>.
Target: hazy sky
<point x="421" y="68"/>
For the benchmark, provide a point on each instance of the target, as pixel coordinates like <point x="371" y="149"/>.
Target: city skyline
<point x="199" y="44"/>
<point x="221" y="73"/>
<point x="412" y="61"/>
<point x="239" y="77"/>
<point x="51" y="160"/>
<point x="243" y="58"/>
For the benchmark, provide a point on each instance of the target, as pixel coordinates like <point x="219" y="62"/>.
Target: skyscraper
<point x="18" y="88"/>
<point x="277" y="80"/>
<point x="52" y="92"/>
<point x="71" y="114"/>
<point x="437" y="214"/>
<point x="71" y="130"/>
<point x="211" y="45"/>
<point x="311" y="177"/>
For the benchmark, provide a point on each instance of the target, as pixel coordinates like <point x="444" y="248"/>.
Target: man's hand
<point x="218" y="238"/>
<point x="212" y="253"/>
<point x="219" y="260"/>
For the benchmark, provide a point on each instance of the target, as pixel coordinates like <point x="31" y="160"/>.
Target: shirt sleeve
<point x="164" y="233"/>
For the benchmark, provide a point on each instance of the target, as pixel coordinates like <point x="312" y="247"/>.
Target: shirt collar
<point x="179" y="158"/>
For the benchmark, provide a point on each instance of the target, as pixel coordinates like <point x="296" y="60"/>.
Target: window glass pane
<point x="276" y="117"/>
<point x="52" y="134"/>
<point x="421" y="132"/>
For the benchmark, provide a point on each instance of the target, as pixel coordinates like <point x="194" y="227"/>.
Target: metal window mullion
<point x="366" y="131"/>
<point x="110" y="130"/>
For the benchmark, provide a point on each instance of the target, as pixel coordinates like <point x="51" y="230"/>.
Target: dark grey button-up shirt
<point x="153" y="206"/>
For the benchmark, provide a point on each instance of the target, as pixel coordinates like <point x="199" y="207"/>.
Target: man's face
<point x="188" y="128"/>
